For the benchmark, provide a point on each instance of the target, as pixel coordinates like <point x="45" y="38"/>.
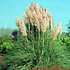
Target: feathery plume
<point x="51" y="23"/>
<point x="60" y="28"/>
<point x="56" y="31"/>
<point x="44" y="25"/>
<point x="26" y="18"/>
<point x="17" y="21"/>
<point x="21" y="25"/>
<point x="36" y="15"/>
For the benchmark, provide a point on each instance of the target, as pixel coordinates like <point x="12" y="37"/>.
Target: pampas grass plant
<point x="38" y="44"/>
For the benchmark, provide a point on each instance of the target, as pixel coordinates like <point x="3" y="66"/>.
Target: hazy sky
<point x="9" y="9"/>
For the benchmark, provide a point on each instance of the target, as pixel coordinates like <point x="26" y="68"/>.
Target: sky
<point x="9" y="9"/>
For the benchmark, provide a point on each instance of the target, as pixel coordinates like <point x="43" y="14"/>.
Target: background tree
<point x="5" y="31"/>
<point x="5" y="39"/>
<point x="68" y="29"/>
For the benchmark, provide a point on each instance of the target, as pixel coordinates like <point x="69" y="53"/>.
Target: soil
<point x="1" y="57"/>
<point x="52" y="68"/>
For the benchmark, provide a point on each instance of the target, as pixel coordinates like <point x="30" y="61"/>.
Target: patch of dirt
<point x="52" y="68"/>
<point x="1" y="57"/>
